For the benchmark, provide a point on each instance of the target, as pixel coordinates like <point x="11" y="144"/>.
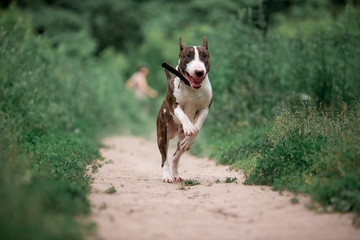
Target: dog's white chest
<point x="192" y="100"/>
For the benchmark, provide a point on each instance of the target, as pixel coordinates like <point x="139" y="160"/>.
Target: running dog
<point x="186" y="105"/>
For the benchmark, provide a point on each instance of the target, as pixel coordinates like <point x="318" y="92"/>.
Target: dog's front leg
<point x="200" y="118"/>
<point x="188" y="141"/>
<point x="188" y="127"/>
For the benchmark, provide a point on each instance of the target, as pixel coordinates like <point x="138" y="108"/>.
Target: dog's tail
<point x="168" y="75"/>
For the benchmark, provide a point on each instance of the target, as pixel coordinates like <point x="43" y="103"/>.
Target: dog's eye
<point x="205" y="55"/>
<point x="189" y="55"/>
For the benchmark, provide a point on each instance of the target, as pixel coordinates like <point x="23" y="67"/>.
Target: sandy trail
<point x="145" y="208"/>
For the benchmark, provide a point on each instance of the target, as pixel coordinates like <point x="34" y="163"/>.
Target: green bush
<point x="285" y="106"/>
<point x="285" y="162"/>
<point x="54" y="106"/>
<point x="308" y="151"/>
<point x="286" y="109"/>
<point x="255" y="73"/>
<point x="39" y="202"/>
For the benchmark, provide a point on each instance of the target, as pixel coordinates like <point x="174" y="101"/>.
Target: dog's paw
<point x="187" y="143"/>
<point x="167" y="179"/>
<point x="189" y="129"/>
<point x="178" y="179"/>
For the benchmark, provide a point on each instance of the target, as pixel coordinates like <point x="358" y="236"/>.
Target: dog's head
<point x="194" y="62"/>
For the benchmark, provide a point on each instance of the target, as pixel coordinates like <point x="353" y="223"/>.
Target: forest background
<point x="285" y="76"/>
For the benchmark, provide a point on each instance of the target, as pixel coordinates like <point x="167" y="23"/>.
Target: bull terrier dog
<point x="186" y="105"/>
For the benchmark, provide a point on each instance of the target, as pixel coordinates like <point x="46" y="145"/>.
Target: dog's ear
<point x="181" y="44"/>
<point x="205" y="43"/>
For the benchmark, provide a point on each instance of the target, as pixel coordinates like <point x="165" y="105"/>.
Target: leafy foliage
<point x="230" y="179"/>
<point x="287" y="110"/>
<point x="191" y="182"/>
<point x="110" y="190"/>
<point x="284" y="76"/>
<point x="265" y="73"/>
<point x="306" y="151"/>
<point x="52" y="110"/>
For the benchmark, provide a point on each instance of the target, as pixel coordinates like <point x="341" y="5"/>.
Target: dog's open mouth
<point x="194" y="82"/>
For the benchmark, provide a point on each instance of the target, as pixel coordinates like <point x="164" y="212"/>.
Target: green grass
<point x="295" y="200"/>
<point x="110" y="190"/>
<point x="230" y="179"/>
<point x="44" y="188"/>
<point x="307" y="151"/>
<point x="54" y="107"/>
<point x="286" y="109"/>
<point x="191" y="182"/>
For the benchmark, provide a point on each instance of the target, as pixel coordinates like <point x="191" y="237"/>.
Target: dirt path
<point x="145" y="208"/>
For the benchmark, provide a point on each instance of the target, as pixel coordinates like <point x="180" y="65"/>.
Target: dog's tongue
<point x="194" y="82"/>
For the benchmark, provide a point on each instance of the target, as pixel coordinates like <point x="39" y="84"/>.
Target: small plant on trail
<point x="217" y="181"/>
<point x="295" y="200"/>
<point x="94" y="168"/>
<point x="110" y="190"/>
<point x="191" y="182"/>
<point x="109" y="161"/>
<point x="103" y="206"/>
<point x="230" y="179"/>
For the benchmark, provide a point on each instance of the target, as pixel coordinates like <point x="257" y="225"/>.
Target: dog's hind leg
<point x="163" y="144"/>
<point x="166" y="172"/>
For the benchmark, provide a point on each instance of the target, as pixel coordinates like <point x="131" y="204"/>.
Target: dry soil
<point x="143" y="207"/>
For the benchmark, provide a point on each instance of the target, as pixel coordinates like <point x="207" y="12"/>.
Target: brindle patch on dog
<point x="164" y="118"/>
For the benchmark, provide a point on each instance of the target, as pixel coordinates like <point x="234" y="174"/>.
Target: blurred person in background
<point x="138" y="82"/>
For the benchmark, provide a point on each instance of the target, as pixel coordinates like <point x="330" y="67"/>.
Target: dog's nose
<point x="199" y="73"/>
